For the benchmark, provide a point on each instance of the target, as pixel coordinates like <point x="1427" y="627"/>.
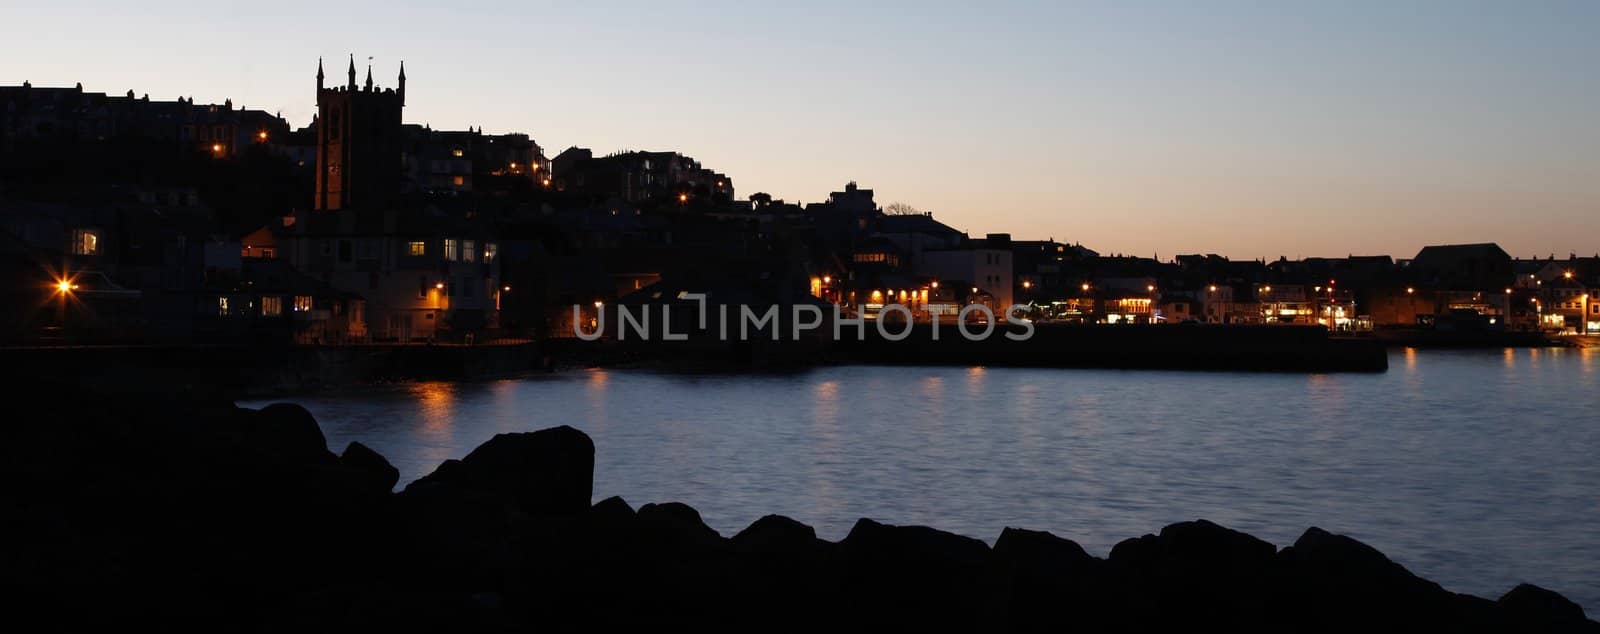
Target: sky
<point x="1252" y="129"/>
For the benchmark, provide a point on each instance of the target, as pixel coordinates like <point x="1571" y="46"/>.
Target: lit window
<point x="452" y="249"/>
<point x="85" y="242"/>
<point x="457" y="152"/>
<point x="469" y="251"/>
<point x="222" y="305"/>
<point x="417" y="247"/>
<point x="302" y="303"/>
<point x="271" y="306"/>
<point x="458" y="180"/>
<point x="489" y="251"/>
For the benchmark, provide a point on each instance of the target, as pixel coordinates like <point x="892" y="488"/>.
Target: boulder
<point x="288" y="432"/>
<point x="360" y="458"/>
<point x="914" y="576"/>
<point x="1193" y="570"/>
<point x="547" y="472"/>
<point x="1530" y="608"/>
<point x="677" y="526"/>
<point x="776" y="535"/>
<point x="1048" y="583"/>
<point x="1340" y="583"/>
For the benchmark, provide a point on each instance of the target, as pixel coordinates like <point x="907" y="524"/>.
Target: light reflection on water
<point x="1477" y="469"/>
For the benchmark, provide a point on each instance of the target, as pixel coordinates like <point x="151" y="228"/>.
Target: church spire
<point x="352" y="84"/>
<point x="402" y="89"/>
<point x="319" y="74"/>
<point x="369" y="76"/>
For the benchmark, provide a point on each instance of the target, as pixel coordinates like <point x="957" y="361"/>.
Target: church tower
<point x="358" y="143"/>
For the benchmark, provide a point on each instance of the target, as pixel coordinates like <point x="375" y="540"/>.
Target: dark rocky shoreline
<point x="180" y="515"/>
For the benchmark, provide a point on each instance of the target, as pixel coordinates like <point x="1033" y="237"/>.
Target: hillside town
<point x="128" y="220"/>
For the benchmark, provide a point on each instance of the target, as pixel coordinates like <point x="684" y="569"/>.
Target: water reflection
<point x="436" y="401"/>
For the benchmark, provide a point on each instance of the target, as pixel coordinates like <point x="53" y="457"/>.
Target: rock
<point x="287" y="431"/>
<point x="1048" y="583"/>
<point x="1340" y="583"/>
<point x="1531" y="608"/>
<point x="677" y="526"/>
<point x="1194" y="570"/>
<point x="774" y="535"/>
<point x="359" y="457"/>
<point x="1040" y="549"/>
<point x="612" y="513"/>
<point x="547" y="472"/>
<point x="914" y="576"/>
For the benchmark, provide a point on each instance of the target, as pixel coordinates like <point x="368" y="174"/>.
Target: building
<point x="358" y="142"/>
<point x="422" y="271"/>
<point x="439" y="161"/>
<point x="638" y="177"/>
<point x="38" y="115"/>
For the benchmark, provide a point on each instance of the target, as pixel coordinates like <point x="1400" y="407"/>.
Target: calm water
<point x="1474" y="469"/>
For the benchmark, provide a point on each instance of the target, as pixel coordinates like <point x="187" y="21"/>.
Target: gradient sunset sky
<point x="1250" y="129"/>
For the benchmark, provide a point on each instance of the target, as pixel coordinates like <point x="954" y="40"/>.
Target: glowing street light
<point x="1085" y="286"/>
<point x="1410" y="290"/>
<point x="1027" y="284"/>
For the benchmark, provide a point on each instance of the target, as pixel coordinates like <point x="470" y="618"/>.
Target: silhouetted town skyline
<point x="211" y="220"/>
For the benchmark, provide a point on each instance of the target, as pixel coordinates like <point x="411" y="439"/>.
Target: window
<point x="422" y="287"/>
<point x="458" y="180"/>
<point x="416" y="248"/>
<point x="302" y="303"/>
<point x="489" y="251"/>
<point x="344" y="250"/>
<point x="452" y="249"/>
<point x="85" y="242"/>
<point x="269" y="252"/>
<point x="469" y="251"/>
<point x="367" y="250"/>
<point x="457" y="152"/>
<point x="271" y="306"/>
<point x="222" y="306"/>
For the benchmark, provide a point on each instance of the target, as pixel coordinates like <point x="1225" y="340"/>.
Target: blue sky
<point x="1251" y="129"/>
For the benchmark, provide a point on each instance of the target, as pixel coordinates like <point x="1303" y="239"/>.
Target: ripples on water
<point x="1474" y="469"/>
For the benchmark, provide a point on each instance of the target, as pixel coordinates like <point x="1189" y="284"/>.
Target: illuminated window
<point x="85" y="242"/>
<point x="469" y="251"/>
<point x="489" y="251"/>
<point x="452" y="249"/>
<point x="271" y="306"/>
<point x="458" y="180"/>
<point x="417" y="247"/>
<point x="222" y="306"/>
<point x="302" y="303"/>
<point x="457" y="152"/>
